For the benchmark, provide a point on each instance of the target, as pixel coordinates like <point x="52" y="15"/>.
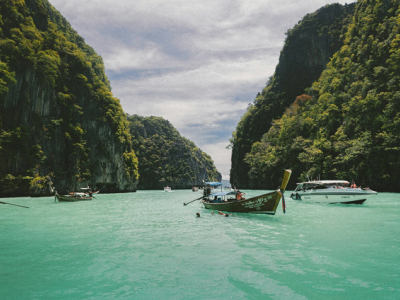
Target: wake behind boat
<point x="234" y="201"/>
<point x="331" y="191"/>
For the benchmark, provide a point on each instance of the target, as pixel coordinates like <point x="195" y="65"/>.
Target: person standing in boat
<point x="353" y="185"/>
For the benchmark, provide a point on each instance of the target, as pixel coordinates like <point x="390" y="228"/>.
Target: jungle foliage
<point x="347" y="125"/>
<point x="307" y="50"/>
<point x="41" y="55"/>
<point x="166" y="158"/>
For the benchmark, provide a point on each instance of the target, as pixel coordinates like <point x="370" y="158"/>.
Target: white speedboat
<point x="331" y="191"/>
<point x="167" y="189"/>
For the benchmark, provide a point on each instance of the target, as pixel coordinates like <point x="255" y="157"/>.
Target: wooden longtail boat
<point x="233" y="201"/>
<point x="73" y="197"/>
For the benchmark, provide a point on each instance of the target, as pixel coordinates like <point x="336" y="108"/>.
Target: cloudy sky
<point x="196" y="63"/>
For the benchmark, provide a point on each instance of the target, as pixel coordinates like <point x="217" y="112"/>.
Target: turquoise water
<point x="147" y="245"/>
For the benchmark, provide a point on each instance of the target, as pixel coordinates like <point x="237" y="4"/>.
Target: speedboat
<point x="167" y="189"/>
<point x="331" y="191"/>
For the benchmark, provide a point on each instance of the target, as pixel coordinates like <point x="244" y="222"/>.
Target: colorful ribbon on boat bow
<point x="283" y="201"/>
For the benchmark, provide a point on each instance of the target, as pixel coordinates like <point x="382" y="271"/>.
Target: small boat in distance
<point x="87" y="194"/>
<point x="89" y="190"/>
<point x="72" y="197"/>
<point x="167" y="189"/>
<point x="235" y="201"/>
<point x="331" y="191"/>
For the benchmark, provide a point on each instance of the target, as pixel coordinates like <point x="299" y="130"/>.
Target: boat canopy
<point x="213" y="183"/>
<point x="222" y="194"/>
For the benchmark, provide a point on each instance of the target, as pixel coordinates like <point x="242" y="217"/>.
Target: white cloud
<point x="195" y="63"/>
<point x="125" y="58"/>
<point x="205" y="95"/>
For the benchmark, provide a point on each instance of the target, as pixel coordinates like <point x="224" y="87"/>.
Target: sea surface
<point x="148" y="245"/>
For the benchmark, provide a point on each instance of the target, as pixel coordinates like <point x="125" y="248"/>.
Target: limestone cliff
<point x="347" y="124"/>
<point x="308" y="48"/>
<point x="166" y="158"/>
<point x="58" y="118"/>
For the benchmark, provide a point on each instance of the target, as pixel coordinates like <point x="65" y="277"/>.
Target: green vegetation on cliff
<point x="166" y="158"/>
<point x="57" y="114"/>
<point x="348" y="126"/>
<point x="308" y="48"/>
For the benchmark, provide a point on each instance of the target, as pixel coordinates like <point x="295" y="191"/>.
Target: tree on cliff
<point x="349" y="125"/>
<point x="57" y="113"/>
<point x="166" y="158"/>
<point x="308" y="48"/>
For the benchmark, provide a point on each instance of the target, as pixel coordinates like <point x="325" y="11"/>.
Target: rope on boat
<point x="13" y="204"/>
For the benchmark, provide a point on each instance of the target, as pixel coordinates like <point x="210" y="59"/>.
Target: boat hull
<point x="263" y="204"/>
<point x="349" y="196"/>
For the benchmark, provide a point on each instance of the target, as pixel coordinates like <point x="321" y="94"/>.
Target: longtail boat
<point x="235" y="201"/>
<point x="72" y="197"/>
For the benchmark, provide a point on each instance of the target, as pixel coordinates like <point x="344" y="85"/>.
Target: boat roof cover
<point x="213" y="183"/>
<point x="223" y="194"/>
<point x="325" y="182"/>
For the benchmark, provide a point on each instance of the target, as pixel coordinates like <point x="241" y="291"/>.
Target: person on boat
<point x="207" y="191"/>
<point x="238" y="195"/>
<point x="353" y="185"/>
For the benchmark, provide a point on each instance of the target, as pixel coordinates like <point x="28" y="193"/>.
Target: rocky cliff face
<point x="166" y="158"/>
<point x="58" y="118"/>
<point x="308" y="48"/>
<point x="347" y="124"/>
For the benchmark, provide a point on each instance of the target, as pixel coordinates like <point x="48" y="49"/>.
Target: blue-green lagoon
<point x="147" y="245"/>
